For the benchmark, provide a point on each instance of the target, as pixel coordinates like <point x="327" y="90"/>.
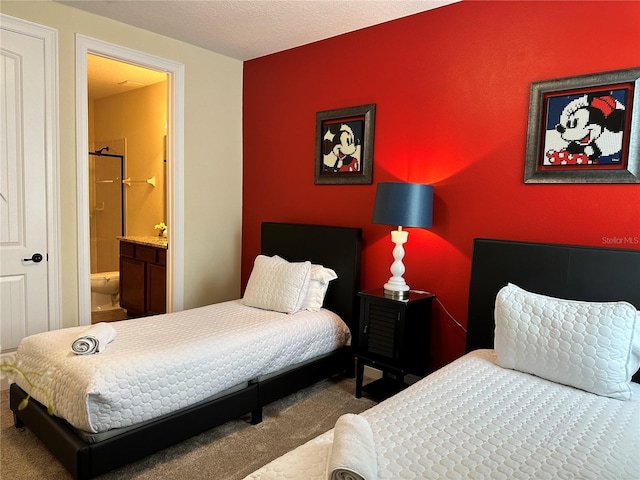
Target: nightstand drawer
<point x="379" y="329"/>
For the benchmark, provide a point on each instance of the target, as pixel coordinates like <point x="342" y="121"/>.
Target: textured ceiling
<point x="247" y="29"/>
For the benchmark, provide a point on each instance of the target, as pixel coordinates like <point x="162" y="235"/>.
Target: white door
<point x="25" y="151"/>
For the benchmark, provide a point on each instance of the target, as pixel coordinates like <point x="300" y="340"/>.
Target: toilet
<point x="105" y="288"/>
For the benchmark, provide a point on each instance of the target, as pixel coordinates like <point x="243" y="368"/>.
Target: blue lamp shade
<point x="403" y="204"/>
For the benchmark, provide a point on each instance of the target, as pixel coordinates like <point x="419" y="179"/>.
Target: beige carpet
<point x="228" y="452"/>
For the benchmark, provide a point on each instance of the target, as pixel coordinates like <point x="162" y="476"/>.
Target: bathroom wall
<point x="139" y="117"/>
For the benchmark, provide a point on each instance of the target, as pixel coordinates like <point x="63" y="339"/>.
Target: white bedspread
<point x="473" y="419"/>
<point x="157" y="365"/>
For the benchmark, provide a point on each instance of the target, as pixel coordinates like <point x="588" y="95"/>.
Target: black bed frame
<point x="573" y="272"/>
<point x="338" y="248"/>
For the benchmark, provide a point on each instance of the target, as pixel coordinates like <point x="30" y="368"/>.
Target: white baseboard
<point x="375" y="374"/>
<point x="372" y="373"/>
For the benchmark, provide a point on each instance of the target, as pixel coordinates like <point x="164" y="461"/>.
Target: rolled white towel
<point x="94" y="340"/>
<point x="353" y="455"/>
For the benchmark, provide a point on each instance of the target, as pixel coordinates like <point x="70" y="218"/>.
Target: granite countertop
<point x="154" y="241"/>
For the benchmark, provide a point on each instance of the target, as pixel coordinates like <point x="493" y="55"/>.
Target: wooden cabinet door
<point x="156" y="289"/>
<point x="132" y="281"/>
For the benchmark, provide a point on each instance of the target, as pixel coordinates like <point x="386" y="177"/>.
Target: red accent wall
<point x="451" y="88"/>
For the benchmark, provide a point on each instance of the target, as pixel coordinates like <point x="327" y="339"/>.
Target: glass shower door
<point x="106" y="210"/>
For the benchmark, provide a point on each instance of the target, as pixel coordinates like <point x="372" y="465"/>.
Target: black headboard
<point x="338" y="248"/>
<point x="565" y="271"/>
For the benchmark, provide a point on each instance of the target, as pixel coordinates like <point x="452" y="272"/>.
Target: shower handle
<point x="35" y="258"/>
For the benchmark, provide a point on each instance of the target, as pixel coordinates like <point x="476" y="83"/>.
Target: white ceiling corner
<point x="247" y="29"/>
<point x="240" y="29"/>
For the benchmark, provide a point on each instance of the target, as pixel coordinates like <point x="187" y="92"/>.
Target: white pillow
<point x="275" y="284"/>
<point x="318" y="285"/>
<point x="593" y="346"/>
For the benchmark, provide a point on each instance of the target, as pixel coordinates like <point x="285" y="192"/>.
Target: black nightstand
<point x="394" y="337"/>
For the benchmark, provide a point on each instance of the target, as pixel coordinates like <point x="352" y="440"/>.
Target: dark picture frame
<point x="344" y="145"/>
<point x="585" y="129"/>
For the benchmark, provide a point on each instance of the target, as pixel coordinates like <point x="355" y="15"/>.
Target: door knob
<point x="35" y="258"/>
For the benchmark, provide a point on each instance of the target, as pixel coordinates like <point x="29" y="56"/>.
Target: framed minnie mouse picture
<point x="585" y="129"/>
<point x="344" y="145"/>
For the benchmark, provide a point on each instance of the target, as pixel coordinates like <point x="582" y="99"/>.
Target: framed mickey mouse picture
<point x="585" y="129"/>
<point x="344" y="145"/>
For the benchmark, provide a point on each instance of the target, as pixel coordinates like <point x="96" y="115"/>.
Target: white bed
<point x="474" y="419"/>
<point x="165" y="378"/>
<point x="553" y="400"/>
<point x="158" y="365"/>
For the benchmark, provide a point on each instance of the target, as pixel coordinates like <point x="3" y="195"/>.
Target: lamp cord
<point x="451" y="316"/>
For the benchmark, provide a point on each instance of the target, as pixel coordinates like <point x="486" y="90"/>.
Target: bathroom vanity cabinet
<point x="143" y="277"/>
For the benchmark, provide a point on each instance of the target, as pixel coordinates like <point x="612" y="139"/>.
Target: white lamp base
<point x="396" y="287"/>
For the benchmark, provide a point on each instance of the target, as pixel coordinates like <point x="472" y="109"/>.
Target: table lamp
<point x="402" y="205"/>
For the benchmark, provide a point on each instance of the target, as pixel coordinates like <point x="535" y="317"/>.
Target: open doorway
<point x="172" y="149"/>
<point x="127" y="171"/>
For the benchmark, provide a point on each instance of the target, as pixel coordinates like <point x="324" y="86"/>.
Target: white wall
<point x="213" y="151"/>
